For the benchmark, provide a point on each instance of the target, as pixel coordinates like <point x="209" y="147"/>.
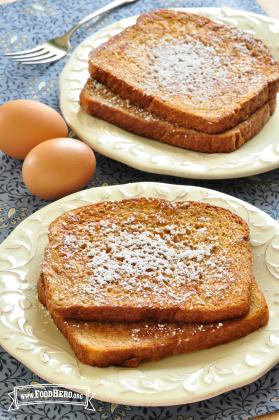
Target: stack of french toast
<point x="184" y="80"/>
<point x="141" y="279"/>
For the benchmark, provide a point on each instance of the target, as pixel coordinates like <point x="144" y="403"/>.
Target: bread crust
<point x="226" y="67"/>
<point x="148" y="259"/>
<point x="97" y="100"/>
<point x="129" y="344"/>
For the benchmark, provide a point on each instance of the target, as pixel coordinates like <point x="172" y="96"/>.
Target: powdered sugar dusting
<point x="161" y="330"/>
<point x="186" y="62"/>
<point x="140" y="253"/>
<point x="104" y="94"/>
<point x="159" y="255"/>
<point x="200" y="71"/>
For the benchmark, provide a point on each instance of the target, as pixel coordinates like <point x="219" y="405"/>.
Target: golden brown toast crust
<point x="188" y="70"/>
<point x="148" y="259"/>
<point x="97" y="100"/>
<point x="128" y="344"/>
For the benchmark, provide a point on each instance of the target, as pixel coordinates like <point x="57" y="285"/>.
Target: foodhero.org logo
<point x="50" y="394"/>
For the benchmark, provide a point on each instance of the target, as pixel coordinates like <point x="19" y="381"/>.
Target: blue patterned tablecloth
<point x="22" y="25"/>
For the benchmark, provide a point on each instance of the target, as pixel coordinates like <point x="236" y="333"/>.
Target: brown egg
<point x="58" y="167"/>
<point x="25" y="123"/>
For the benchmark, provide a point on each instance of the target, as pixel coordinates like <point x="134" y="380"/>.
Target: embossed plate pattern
<point x="27" y="332"/>
<point x="257" y="156"/>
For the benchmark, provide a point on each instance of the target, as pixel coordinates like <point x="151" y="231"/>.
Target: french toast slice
<point x="97" y="100"/>
<point x="188" y="70"/>
<point x="128" y="344"/>
<point x="148" y="258"/>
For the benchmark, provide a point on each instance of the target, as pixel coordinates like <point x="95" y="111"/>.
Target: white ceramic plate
<point x="27" y="332"/>
<point x="258" y="155"/>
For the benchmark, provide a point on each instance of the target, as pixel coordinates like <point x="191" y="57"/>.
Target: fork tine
<point x="40" y="53"/>
<point x="19" y="53"/>
<point x="48" y="59"/>
<point x="36" y="59"/>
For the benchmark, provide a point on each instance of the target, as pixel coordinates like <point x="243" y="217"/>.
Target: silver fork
<point x="56" y="48"/>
